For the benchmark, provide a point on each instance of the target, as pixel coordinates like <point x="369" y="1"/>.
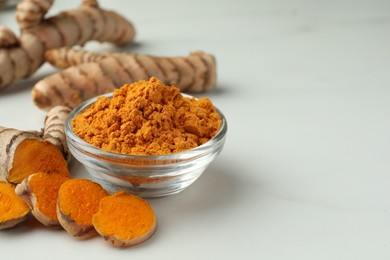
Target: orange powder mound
<point x="147" y="118"/>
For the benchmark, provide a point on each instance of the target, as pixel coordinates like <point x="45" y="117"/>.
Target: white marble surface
<point x="305" y="173"/>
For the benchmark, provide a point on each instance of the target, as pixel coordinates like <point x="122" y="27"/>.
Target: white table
<point x="305" y="172"/>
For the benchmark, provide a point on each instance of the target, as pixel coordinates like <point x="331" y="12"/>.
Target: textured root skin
<point x="23" y="153"/>
<point x="63" y="58"/>
<point x="7" y="191"/>
<point x="21" y="57"/>
<point x="13" y="222"/>
<point x="29" y="12"/>
<point x="24" y="191"/>
<point x="81" y="232"/>
<point x="104" y="72"/>
<point x="54" y="129"/>
<point x="7" y="37"/>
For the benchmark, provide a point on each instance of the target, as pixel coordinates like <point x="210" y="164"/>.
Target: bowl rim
<point x="95" y="151"/>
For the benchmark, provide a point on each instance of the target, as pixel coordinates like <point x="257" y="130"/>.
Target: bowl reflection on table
<point x="142" y="175"/>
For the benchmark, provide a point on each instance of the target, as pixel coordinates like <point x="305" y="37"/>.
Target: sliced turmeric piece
<point x="78" y="200"/>
<point x="124" y="219"/>
<point x="40" y="191"/>
<point x="23" y="153"/>
<point x="13" y="210"/>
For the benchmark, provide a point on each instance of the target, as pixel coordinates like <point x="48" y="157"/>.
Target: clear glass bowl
<point x="145" y="176"/>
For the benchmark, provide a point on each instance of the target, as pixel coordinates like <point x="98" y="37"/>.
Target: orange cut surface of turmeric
<point x="78" y="199"/>
<point x="45" y="186"/>
<point x="33" y="156"/>
<point x="11" y="207"/>
<point x="124" y="216"/>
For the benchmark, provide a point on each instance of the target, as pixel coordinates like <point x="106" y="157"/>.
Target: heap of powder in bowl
<point x="147" y="118"/>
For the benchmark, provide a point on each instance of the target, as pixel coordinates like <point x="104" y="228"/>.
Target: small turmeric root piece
<point x="124" y="219"/>
<point x="78" y="200"/>
<point x="23" y="153"/>
<point x="104" y="72"/>
<point x="40" y="191"/>
<point x="13" y="210"/>
<point x="54" y="129"/>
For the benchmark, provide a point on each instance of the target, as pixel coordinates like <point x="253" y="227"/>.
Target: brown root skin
<point x="13" y="210"/>
<point x="103" y="72"/>
<point x="54" y="129"/>
<point x="21" y="57"/>
<point x="12" y="222"/>
<point x="81" y="232"/>
<point x="39" y="198"/>
<point x="120" y="210"/>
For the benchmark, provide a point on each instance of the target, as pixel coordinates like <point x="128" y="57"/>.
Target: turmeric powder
<point x="78" y="200"/>
<point x="13" y="210"/>
<point x="147" y="118"/>
<point x="125" y="219"/>
<point x="40" y="191"/>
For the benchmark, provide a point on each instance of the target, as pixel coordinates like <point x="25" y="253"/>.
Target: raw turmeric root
<point x="78" y="200"/>
<point x="104" y="72"/>
<point x="13" y="210"/>
<point x="54" y="129"/>
<point x="40" y="191"/>
<point x="23" y="153"/>
<point x="124" y="219"/>
<point x="21" y="56"/>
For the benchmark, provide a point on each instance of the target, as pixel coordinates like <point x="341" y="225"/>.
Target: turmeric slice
<point x="78" y="200"/>
<point x="40" y="191"/>
<point x="23" y="153"/>
<point x="124" y="219"/>
<point x="13" y="210"/>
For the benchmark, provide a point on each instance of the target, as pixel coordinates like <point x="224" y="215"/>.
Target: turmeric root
<point x="40" y="191"/>
<point x="13" y="210"/>
<point x="78" y="200"/>
<point x="23" y="153"/>
<point x="125" y="219"/>
<point x="107" y="71"/>
<point x="65" y="57"/>
<point x="21" y="57"/>
<point x="54" y="129"/>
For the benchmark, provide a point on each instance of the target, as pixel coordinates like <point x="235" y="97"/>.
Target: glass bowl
<point x="142" y="175"/>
